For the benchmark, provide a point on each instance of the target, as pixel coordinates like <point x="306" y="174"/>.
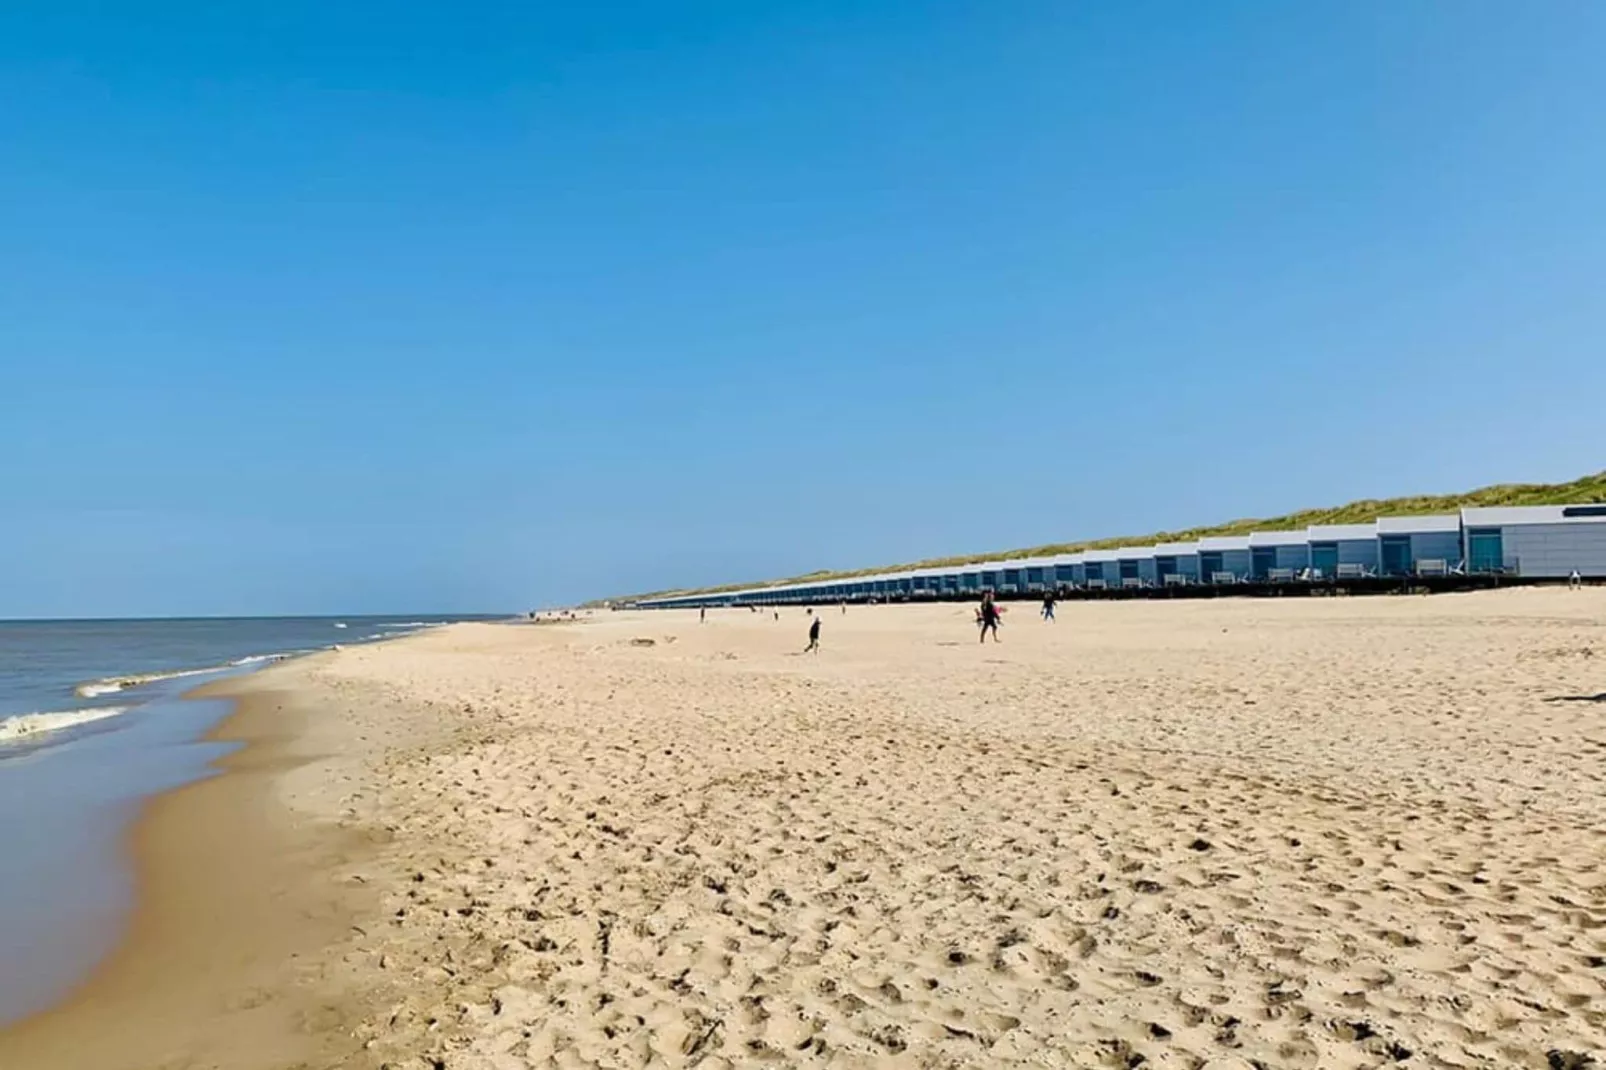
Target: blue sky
<point x="313" y="307"/>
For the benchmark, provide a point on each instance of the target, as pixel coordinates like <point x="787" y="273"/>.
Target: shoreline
<point x="231" y="887"/>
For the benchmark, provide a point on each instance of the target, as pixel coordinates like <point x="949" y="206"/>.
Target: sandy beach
<point x="1274" y="833"/>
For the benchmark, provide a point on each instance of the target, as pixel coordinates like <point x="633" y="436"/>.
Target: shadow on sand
<point x="1579" y="698"/>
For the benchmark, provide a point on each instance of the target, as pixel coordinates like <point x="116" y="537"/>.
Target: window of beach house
<point x="1129" y="570"/>
<point x="1324" y="557"/>
<point x="1262" y="559"/>
<point x="1165" y="566"/>
<point x="1210" y="562"/>
<point x="1064" y="573"/>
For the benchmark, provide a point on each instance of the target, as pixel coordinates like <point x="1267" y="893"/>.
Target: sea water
<point x="91" y="724"/>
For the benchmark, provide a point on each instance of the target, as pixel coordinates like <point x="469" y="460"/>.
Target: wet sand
<point x="240" y="885"/>
<point x="1335" y="833"/>
<point x="67" y="798"/>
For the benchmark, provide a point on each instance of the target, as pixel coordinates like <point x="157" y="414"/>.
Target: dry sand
<point x="1281" y="833"/>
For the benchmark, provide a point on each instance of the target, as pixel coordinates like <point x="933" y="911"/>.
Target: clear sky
<point x="372" y="306"/>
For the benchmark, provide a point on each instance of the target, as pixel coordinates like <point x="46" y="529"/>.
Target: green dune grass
<point x="1586" y="489"/>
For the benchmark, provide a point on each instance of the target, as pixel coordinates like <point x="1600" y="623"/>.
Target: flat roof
<point x="1279" y="538"/>
<point x="1418" y="525"/>
<point x="1495" y="516"/>
<point x="1224" y="542"/>
<point x="1341" y="532"/>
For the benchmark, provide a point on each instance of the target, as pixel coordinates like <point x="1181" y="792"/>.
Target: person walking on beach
<point x="1048" y="605"/>
<point x="814" y="638"/>
<point x="702" y="615"/>
<point x="987" y="616"/>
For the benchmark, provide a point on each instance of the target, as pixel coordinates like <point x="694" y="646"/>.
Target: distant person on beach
<point x="1575" y="581"/>
<point x="702" y="614"/>
<point x="814" y="638"/>
<point x="987" y="616"/>
<point x="1048" y="606"/>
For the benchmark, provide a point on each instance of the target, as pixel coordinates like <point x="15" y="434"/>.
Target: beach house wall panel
<point x="1436" y="545"/>
<point x="1555" y="550"/>
<point x="1358" y="552"/>
<point x="1294" y="557"/>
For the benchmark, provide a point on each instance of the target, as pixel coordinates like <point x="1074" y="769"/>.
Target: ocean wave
<point x="258" y="659"/>
<point x="111" y="685"/>
<point x="33" y="724"/>
<point x="411" y="624"/>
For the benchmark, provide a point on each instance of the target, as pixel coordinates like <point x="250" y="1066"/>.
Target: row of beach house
<point x="1530" y="542"/>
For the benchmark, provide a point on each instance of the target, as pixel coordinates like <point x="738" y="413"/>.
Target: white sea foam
<point x="257" y="659"/>
<point x="113" y="684"/>
<point x="33" y="724"/>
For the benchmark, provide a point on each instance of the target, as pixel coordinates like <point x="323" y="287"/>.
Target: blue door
<point x="1324" y="558"/>
<point x="1485" y="550"/>
<point x="1262" y="559"/>
<point x="1396" y="555"/>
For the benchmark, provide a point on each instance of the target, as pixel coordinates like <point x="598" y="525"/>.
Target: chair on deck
<point x="1433" y="566"/>
<point x="1280" y="575"/>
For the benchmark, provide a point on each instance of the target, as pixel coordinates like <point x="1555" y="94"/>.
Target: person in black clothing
<point x="814" y="638"/>
<point x="988" y="616"/>
<point x="1048" y="606"/>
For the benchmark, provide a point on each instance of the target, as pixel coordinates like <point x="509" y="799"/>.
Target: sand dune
<point x="1290" y="833"/>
